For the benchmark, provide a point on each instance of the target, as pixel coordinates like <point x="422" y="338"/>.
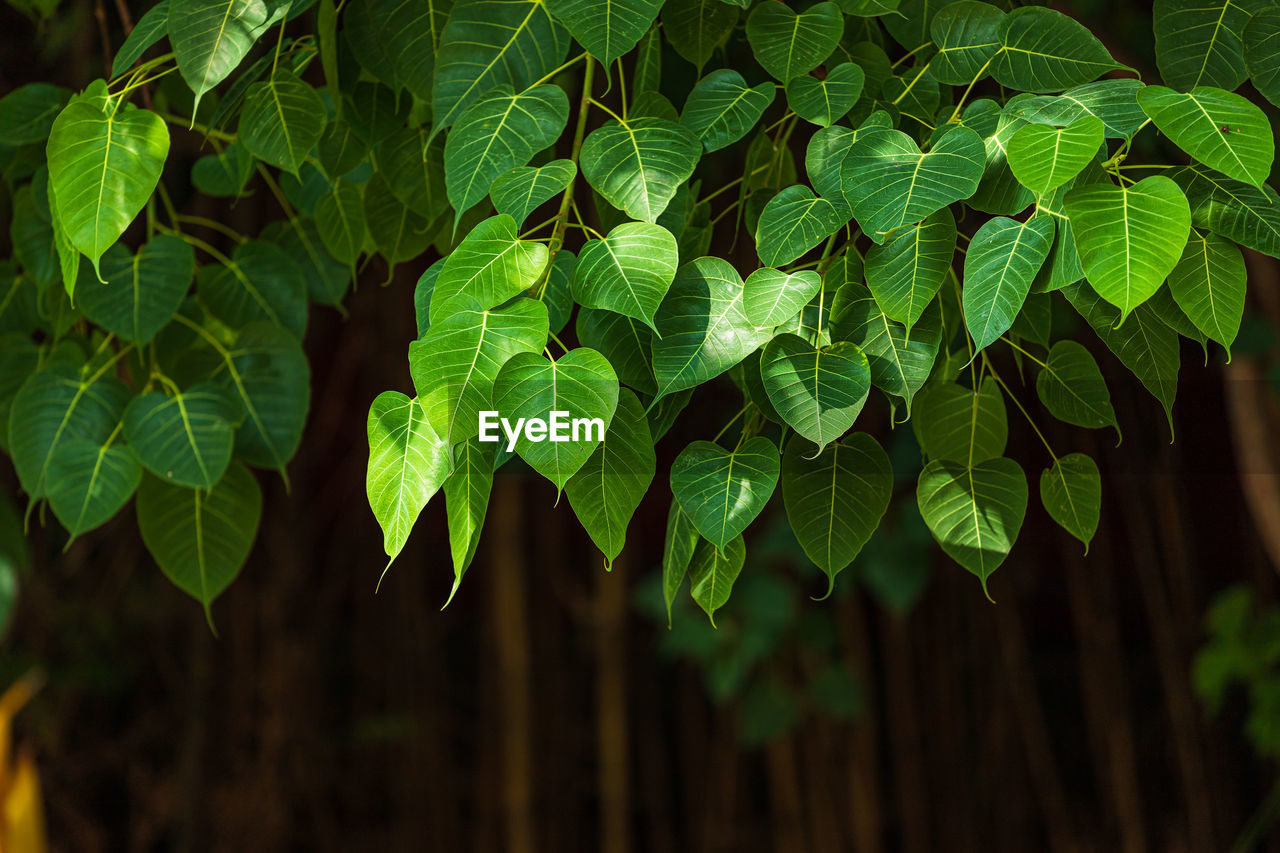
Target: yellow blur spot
<point x="21" y="810"/>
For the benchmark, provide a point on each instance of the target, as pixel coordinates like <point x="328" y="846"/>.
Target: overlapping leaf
<point x="408" y="462"/>
<point x="628" y="272"/>
<point x="638" y="164"/>
<point x="722" y="491"/>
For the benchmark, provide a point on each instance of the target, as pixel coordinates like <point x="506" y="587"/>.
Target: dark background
<point x="548" y="707"/>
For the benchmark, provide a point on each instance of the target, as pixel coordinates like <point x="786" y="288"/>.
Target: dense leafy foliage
<point x="839" y="206"/>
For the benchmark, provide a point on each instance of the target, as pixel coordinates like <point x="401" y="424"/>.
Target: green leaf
<point x="628" y="272"/>
<point x="1044" y="158"/>
<point x="456" y="362"/>
<point x="823" y="161"/>
<point x="638" y="164"/>
<point x="677" y="552"/>
<point x="910" y="27"/>
<point x="211" y="37"/>
<point x="489" y="43"/>
<point x="826" y="101"/>
<point x="1113" y="102"/>
<point x="835" y="500"/>
<point x="818" y="392"/>
<point x="900" y="362"/>
<point x="958" y="424"/>
<point x="1209" y="285"/>
<point x="1071" y="491"/>
<point x="998" y="191"/>
<point x="408" y="462"/>
<point x="466" y="495"/>
<point x="520" y="191"/>
<point x="59" y="403"/>
<point x="607" y="30"/>
<point x="608" y="487"/>
<point x="224" y="173"/>
<point x="771" y="297"/>
<point x="1129" y="238"/>
<point x="184" y="439"/>
<point x="490" y="265"/>
<point x="975" y="512"/>
<point x="626" y="342"/>
<point x="142" y="291"/>
<point x="282" y="120"/>
<point x="581" y="385"/>
<point x="1072" y="388"/>
<point x="696" y="28"/>
<point x="723" y="491"/>
<point x="712" y="572"/>
<point x="787" y="44"/>
<point x="967" y="34"/>
<point x="702" y="328"/>
<point x="340" y="221"/>
<point x="890" y="184"/>
<point x="89" y="481"/>
<point x="1198" y="43"/>
<point x="398" y="231"/>
<point x="413" y="165"/>
<point x="28" y="112"/>
<point x="498" y="132"/>
<point x="201" y="539"/>
<point x="340" y="150"/>
<point x="103" y="168"/>
<point x="151" y="27"/>
<point x="1220" y="129"/>
<point x="722" y="109"/>
<point x="1045" y="51"/>
<point x="262" y="283"/>
<point x="1261" y="53"/>
<point x="905" y="273"/>
<point x="1002" y="261"/>
<point x="793" y="222"/>
<point x="396" y="41"/>
<point x="1247" y="215"/>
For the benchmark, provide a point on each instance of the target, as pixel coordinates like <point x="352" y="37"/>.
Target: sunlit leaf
<point x="628" y="272"/>
<point x="1220" y="129"/>
<point x="722" y="491"/>
<point x="408" y="462"/>
<point x="638" y="164"/>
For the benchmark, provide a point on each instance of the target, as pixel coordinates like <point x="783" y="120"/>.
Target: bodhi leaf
<point x="835" y="500"/>
<point x="1002" y="261"/>
<point x="1044" y="158"/>
<point x="1071" y="491"/>
<point x="501" y="130"/>
<point x="103" y="167"/>
<point x="398" y="231"/>
<point x="787" y="44"/>
<point x="491" y="265"/>
<point x="793" y="222"/>
<point x="770" y="297"/>
<point x="967" y="35"/>
<point x="697" y="27"/>
<point x="262" y="283"/>
<point x="340" y="221"/>
<point x="905" y="273"/>
<point x="210" y="37"/>
<point x="958" y="424"/>
<point x="199" y="538"/>
<point x="1113" y="102"/>
<point x="606" y="30"/>
<point x="638" y="164"/>
<point x="826" y="101"/>
<point x="408" y="462"/>
<point x="396" y="42"/>
<point x="282" y="120"/>
<point x="1262" y="53"/>
<point x="1129" y="238"/>
<point x="456" y="362"/>
<point x="723" y="491"/>
<point x="1072" y="388"/>
<point x="628" y="272"/>
<point x="626" y="342"/>
<point x="712" y="572"/>
<point x="608" y="487"/>
<point x="1244" y="214"/>
<point x="1220" y="129"/>
<point x="90" y="481"/>
<point x="151" y="27"/>
<point x="677" y="551"/>
<point x="721" y="109"/>
<point x="1043" y="50"/>
<point x="520" y="191"/>
<point x="889" y="183"/>
<point x="817" y="392"/>
<point x="702" y="328"/>
<point x="1198" y="41"/>
<point x="28" y="112"/>
<point x="186" y="438"/>
<point x="142" y="291"/>
<point x="1209" y="285"/>
<point x="900" y="363"/>
<point x="974" y="512"/>
<point x="581" y="385"/>
<point x="466" y="495"/>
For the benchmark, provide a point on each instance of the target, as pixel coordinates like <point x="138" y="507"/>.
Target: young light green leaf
<point x="793" y="222"/>
<point x="1043" y="50"/>
<point x="1220" y="129"/>
<point x="1262" y="52"/>
<point x="1044" y="158"/>
<point x="608" y="487"/>
<point x="721" y="109"/>
<point x="520" y="191"/>
<point x="787" y="44"/>
<point x="1071" y="491"/>
<point x="770" y="297"/>
<point x="142" y="291"/>
<point x="967" y="34"/>
<point x="186" y="438"/>
<point x="491" y="265"/>
<point x="900" y="363"/>
<point x="712" y="572"/>
<point x="262" y="283"/>
<point x="210" y="37"/>
<point x="638" y="164"/>
<point x="723" y="491"/>
<point x="835" y="500"/>
<point x="628" y="272"/>
<point x="1209" y="285"/>
<point x="1198" y="42"/>
<point x="696" y="28"/>
<point x="340" y="220"/>
<point x="1002" y="261"/>
<point x="1072" y="388"/>
<point x="500" y="131"/>
<point x="90" y="481"/>
<point x="408" y="462"/>
<point x="466" y="496"/>
<point x="826" y="101"/>
<point x="282" y="120"/>
<point x="817" y="392"/>
<point x="581" y="385"/>
<point x="905" y="273"/>
<point x="974" y="512"/>
<point x="606" y="30"/>
<point x="958" y="424"/>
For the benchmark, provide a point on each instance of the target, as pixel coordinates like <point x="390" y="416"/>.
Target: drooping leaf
<point x="520" y="191"/>
<point x="1002" y="261"/>
<point x="905" y="273"/>
<point x="1044" y="157"/>
<point x="967" y="34"/>
<point x="211" y="37"/>
<point x="340" y="221"/>
<point x="490" y="265"/>
<point x="398" y="231"/>
<point x="90" y="481"/>
<point x="793" y="222"/>
<point x="151" y="27"/>
<point x="770" y="297"/>
<point x="677" y="552"/>
<point x="1071" y="491"/>
<point x="1262" y="52"/>
<point x="974" y="512"/>
<point x="900" y="363"/>
<point x="788" y="44"/>
<point x="408" y="462"/>
<point x="1043" y="50"/>
<point x="835" y="500"/>
<point x="262" y="283"/>
<point x="817" y="392"/>
<point x="638" y="164"/>
<point x="396" y="41"/>
<point x="722" y="109"/>
<point x="185" y="438"/>
<point x="1223" y="130"/>
<point x="466" y="495"/>
<point x="413" y="164"/>
<point x="826" y="101"/>
<point x="723" y="491"/>
<point x="1247" y="215"/>
<point x="958" y="424"/>
<point x="712" y="573"/>
<point x="628" y="272"/>
<point x="823" y="162"/>
<point x="1198" y="43"/>
<point x="1072" y="388"/>
<point x="606" y="490"/>
<point x="606" y="30"/>
<point x="625" y="342"/>
<point x="282" y="120"/>
<point x="696" y="28"/>
<point x="142" y="291"/>
<point x="1209" y="285"/>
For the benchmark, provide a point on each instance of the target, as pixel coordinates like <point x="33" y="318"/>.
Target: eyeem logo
<point x="559" y="428"/>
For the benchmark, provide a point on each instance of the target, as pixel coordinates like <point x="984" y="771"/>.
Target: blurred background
<point x="1127" y="700"/>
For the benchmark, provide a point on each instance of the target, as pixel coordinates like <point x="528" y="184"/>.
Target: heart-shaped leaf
<point x="826" y="101"/>
<point x="142" y="291"/>
<point x="606" y="30"/>
<point x="721" y="109"/>
<point x="1072" y="388"/>
<point x="210" y="37"/>
<point x="1071" y="491"/>
<point x="793" y="222"/>
<point x="771" y="297"/>
<point x="1244" y="214"/>
<point x="1002" y="261"/>
<point x="340" y="221"/>
<point x="722" y="491"/>
<point x="261" y="283"/>
<point x="28" y="112"/>
<point x="958" y="424"/>
<point x="712" y="572"/>
<point x="1198" y="42"/>
<point x="628" y="272"/>
<point x="186" y="438"/>
<point x="817" y="392"/>
<point x="900" y="363"/>
<point x="396" y="42"/>
<point x="1042" y="50"/>
<point x="1209" y="285"/>
<point x="90" y="481"/>
<point x="1044" y="158"/>
<point x="626" y="342"/>
<point x="1223" y="130"/>
<point x="638" y="164"/>
<point x="490" y="265"/>
<point x="408" y="462"/>
<point x="697" y="27"/>
<point x="788" y="44"/>
<point x="282" y="120"/>
<point x="967" y="34"/>
<point x="520" y="191"/>
<point x="398" y="231"/>
<point x="581" y="386"/>
<point x="906" y="272"/>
